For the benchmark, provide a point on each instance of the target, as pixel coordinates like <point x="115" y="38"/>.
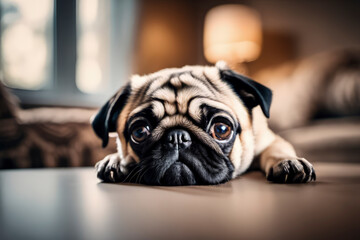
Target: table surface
<point x="73" y="204"/>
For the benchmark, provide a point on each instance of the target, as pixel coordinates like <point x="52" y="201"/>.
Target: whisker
<point x="137" y="172"/>
<point x="143" y="174"/>
<point x="138" y="175"/>
<point x="130" y="173"/>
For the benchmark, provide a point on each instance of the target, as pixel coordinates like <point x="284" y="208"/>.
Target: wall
<point x="167" y="35"/>
<point x="297" y="29"/>
<point x="170" y="32"/>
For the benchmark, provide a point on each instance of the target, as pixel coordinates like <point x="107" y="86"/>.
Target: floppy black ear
<point x="105" y="120"/>
<point x="251" y="92"/>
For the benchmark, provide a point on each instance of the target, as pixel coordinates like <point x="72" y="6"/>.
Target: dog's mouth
<point x="198" y="166"/>
<point x="178" y="174"/>
<point x="175" y="170"/>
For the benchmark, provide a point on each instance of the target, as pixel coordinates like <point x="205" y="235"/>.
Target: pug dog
<point x="196" y="125"/>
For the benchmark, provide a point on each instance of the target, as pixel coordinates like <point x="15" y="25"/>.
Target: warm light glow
<point x="232" y="33"/>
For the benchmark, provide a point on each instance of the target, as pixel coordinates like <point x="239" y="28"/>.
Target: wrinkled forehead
<point x="181" y="92"/>
<point x="160" y="77"/>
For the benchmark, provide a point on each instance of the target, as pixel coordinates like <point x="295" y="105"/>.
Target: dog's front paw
<point x="109" y="169"/>
<point x="297" y="170"/>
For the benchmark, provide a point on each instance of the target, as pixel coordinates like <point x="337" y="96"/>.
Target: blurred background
<point x="60" y="60"/>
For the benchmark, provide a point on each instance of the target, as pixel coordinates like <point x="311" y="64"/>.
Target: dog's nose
<point x="178" y="138"/>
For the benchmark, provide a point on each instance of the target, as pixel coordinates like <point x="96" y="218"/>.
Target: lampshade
<point x="232" y="33"/>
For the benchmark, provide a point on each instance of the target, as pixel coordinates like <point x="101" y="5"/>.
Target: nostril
<point x="170" y="138"/>
<point x="179" y="137"/>
<point x="185" y="137"/>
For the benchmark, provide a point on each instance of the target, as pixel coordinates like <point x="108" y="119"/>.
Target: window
<point x="65" y="52"/>
<point x="26" y="43"/>
<point x="91" y="61"/>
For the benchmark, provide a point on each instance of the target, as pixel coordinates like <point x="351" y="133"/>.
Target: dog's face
<point x="184" y="126"/>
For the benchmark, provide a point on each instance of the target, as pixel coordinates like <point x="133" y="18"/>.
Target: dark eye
<point x="220" y="131"/>
<point x="139" y="134"/>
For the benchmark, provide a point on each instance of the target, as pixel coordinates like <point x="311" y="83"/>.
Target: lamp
<point x="232" y="33"/>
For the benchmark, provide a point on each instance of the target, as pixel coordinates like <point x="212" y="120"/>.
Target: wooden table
<point x="72" y="204"/>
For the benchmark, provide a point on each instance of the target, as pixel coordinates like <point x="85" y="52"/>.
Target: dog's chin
<point x="178" y="174"/>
